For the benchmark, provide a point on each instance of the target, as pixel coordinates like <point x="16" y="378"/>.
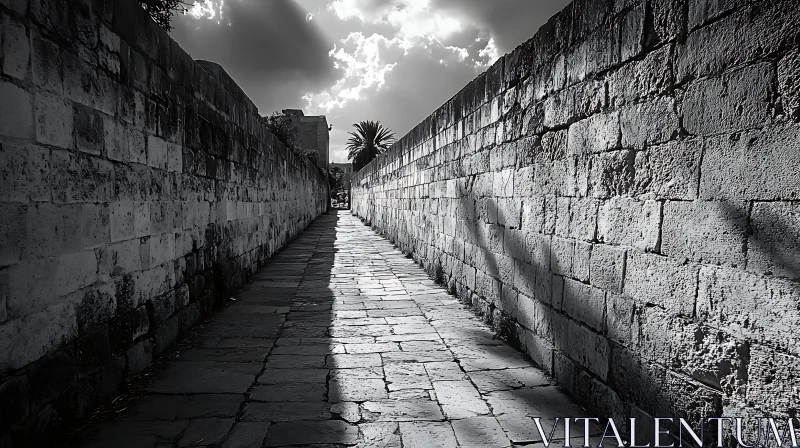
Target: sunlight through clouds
<point x="366" y="60"/>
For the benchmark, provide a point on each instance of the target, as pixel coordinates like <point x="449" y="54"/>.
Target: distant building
<point x="311" y="132"/>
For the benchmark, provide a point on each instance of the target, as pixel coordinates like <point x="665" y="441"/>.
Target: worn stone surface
<point x="285" y="397"/>
<point x="655" y="180"/>
<point x="137" y="192"/>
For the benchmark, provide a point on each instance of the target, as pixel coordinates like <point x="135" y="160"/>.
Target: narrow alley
<point x="341" y="340"/>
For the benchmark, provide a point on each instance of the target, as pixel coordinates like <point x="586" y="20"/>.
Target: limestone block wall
<point x="136" y="187"/>
<point x="619" y="195"/>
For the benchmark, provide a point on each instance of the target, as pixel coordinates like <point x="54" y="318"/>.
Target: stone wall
<point x="137" y="187"/>
<point x="619" y="196"/>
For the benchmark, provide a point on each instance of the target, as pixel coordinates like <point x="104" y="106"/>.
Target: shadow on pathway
<point x="339" y="341"/>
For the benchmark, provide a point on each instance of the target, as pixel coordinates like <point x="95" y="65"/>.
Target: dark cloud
<point x="268" y="47"/>
<point x="510" y="22"/>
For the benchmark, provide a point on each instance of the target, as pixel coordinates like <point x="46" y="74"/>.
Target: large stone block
<point x="612" y="174"/>
<point x="641" y="79"/>
<point x="24" y="170"/>
<point x="628" y="222"/>
<point x="773" y="248"/>
<point x="649" y="123"/>
<point x="769" y="28"/>
<point x="16" y="111"/>
<point x="607" y="267"/>
<point x="669" y="171"/>
<point x="54" y="121"/>
<point x="89" y="134"/>
<point x="598" y="133"/>
<point x="751" y="307"/>
<point x="662" y="281"/>
<point x="789" y="84"/>
<point x="584" y="303"/>
<point x="587" y="348"/>
<point x="16" y="48"/>
<point x="26" y="339"/>
<point x="706" y="232"/>
<point x="733" y="102"/>
<point x="12" y="235"/>
<point x="756" y="165"/>
<point x="38" y="284"/>
<point x="53" y="230"/>
<point x="77" y="178"/>
<point x="771" y="379"/>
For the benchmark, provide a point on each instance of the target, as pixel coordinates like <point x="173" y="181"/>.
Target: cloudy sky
<point x="395" y="61"/>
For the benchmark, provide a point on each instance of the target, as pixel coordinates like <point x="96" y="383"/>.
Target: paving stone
<point x="398" y="411"/>
<point x="227" y="354"/>
<point x="379" y="435"/>
<point x="371" y="348"/>
<point x="205" y="431"/>
<point x="459" y="399"/>
<point x="168" y="407"/>
<point x="289" y="392"/>
<point x="347" y="411"/>
<point x="544" y="402"/>
<point x="288" y="376"/>
<point x="308" y="433"/>
<point x="444" y="371"/>
<point x="356" y="389"/>
<point x="480" y="432"/>
<point x="428" y="435"/>
<point x="285" y="411"/>
<point x="295" y="361"/>
<point x="347" y="361"/>
<point x="406" y="376"/>
<point x="358" y="372"/>
<point x="494" y="380"/>
<point x="246" y="435"/>
<point x="202" y="377"/>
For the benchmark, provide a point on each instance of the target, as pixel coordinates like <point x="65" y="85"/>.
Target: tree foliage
<point x="336" y="179"/>
<point x="162" y="10"/>
<point x="281" y="127"/>
<point x="369" y="139"/>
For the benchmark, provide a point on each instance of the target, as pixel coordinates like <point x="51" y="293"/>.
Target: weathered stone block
<point x="770" y="27"/>
<point x="54" y="121"/>
<point x="789" y="84"/>
<point x="46" y="64"/>
<point x="89" y="133"/>
<point x="706" y="232"/>
<point x="597" y="133"/>
<point x="37" y="284"/>
<point x="535" y="316"/>
<point x="122" y="221"/>
<point x="580" y="261"/>
<point x="53" y="230"/>
<point x="758" y="165"/>
<point x="773" y="248"/>
<point x="607" y="267"/>
<point x="16" y="48"/>
<point x="76" y="178"/>
<point x="12" y="235"/>
<point x="588" y="348"/>
<point x="649" y="123"/>
<point x="662" y="281"/>
<point x="612" y="174"/>
<point x="641" y="79"/>
<point x="620" y="321"/>
<point x="28" y="338"/>
<point x="733" y="102"/>
<point x="669" y="171"/>
<point x="584" y="303"/>
<point x="770" y="379"/>
<point x="752" y="307"/>
<point x="23" y="172"/>
<point x="629" y="222"/>
<point x="16" y="111"/>
<point x="561" y="253"/>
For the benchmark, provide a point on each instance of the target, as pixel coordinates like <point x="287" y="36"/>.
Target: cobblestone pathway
<point x="340" y="341"/>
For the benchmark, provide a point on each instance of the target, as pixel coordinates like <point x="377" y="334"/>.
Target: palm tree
<point x="369" y="140"/>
